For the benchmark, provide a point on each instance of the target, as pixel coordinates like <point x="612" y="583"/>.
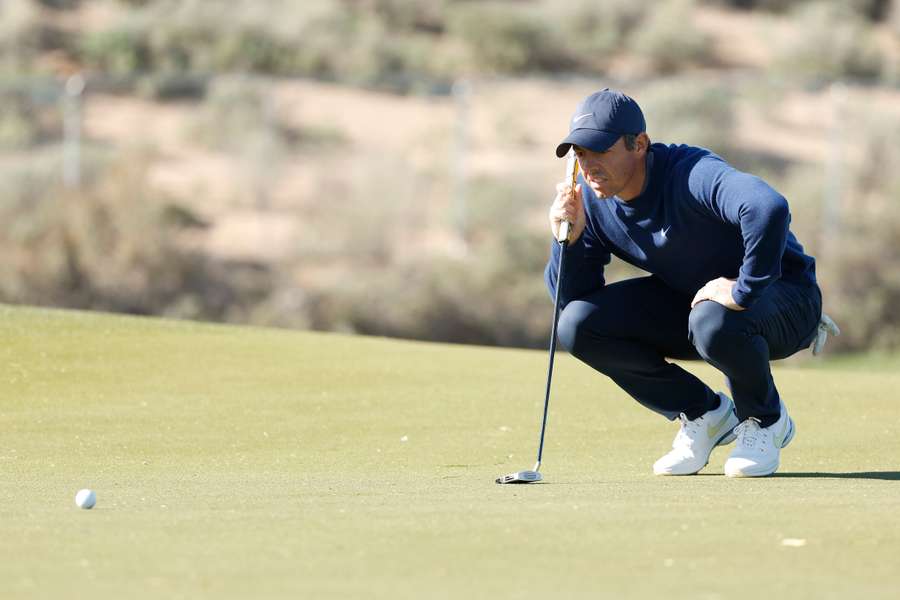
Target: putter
<point x="563" y="239"/>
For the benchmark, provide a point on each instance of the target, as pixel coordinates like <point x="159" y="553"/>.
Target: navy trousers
<point x="627" y="330"/>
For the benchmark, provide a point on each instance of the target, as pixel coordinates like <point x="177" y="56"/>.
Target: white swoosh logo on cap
<point x="580" y="117"/>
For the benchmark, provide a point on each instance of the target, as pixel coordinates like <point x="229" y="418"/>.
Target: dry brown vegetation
<point x="234" y="169"/>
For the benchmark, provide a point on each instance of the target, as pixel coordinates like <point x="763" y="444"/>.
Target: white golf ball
<point x="85" y="499"/>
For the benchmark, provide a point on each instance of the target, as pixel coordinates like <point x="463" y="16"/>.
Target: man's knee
<point x="580" y="330"/>
<point x="713" y="329"/>
<point x="584" y="336"/>
<point x="572" y="328"/>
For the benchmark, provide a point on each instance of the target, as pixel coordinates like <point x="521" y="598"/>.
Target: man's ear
<point x="642" y="142"/>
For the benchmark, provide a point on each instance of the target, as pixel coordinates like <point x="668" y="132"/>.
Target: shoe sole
<point x="787" y="440"/>
<point x="726" y="439"/>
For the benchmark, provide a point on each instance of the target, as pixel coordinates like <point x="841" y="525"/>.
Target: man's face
<point x="610" y="172"/>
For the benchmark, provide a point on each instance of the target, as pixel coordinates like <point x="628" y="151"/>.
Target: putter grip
<point x="572" y="177"/>
<point x="563" y="232"/>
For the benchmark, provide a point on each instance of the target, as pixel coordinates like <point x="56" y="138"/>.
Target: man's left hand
<point x="717" y="290"/>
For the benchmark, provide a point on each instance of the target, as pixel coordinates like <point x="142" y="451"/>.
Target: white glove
<point x="826" y="326"/>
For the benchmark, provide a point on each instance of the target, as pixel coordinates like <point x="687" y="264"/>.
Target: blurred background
<point x="385" y="166"/>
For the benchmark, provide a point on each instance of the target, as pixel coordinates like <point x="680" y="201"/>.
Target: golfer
<point x="729" y="284"/>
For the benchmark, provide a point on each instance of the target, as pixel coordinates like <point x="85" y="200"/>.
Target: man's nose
<point x="590" y="165"/>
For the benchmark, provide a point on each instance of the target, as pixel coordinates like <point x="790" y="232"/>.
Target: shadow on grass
<point x="883" y="475"/>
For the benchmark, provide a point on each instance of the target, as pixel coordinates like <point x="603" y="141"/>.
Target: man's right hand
<point x="567" y="207"/>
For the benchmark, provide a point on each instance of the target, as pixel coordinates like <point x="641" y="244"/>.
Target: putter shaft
<point x="563" y="239"/>
<point x="562" y="255"/>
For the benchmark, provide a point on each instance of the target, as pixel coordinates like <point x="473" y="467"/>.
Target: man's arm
<point x="761" y="213"/>
<point x="586" y="255"/>
<point x="584" y="265"/>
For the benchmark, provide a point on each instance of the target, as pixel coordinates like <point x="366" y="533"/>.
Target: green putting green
<point x="234" y="462"/>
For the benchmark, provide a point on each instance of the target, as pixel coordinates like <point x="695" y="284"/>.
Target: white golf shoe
<point x="758" y="449"/>
<point x="696" y="439"/>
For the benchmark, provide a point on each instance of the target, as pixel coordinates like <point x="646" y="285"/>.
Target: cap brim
<point x="592" y="139"/>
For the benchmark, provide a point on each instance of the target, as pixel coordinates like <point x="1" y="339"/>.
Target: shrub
<point x="379" y="59"/>
<point x="874" y="10"/>
<point x="30" y="115"/>
<point x="690" y="112"/>
<point x="60" y="4"/>
<point x="597" y="34"/>
<point x="668" y="41"/>
<point x="120" y="51"/>
<point x="172" y="86"/>
<point x="832" y="43"/>
<point x="893" y="18"/>
<point x="860" y="270"/>
<point x="20" y="33"/>
<point x="502" y="39"/>
<point x="408" y="15"/>
<point x="113" y="246"/>
<point x="767" y="5"/>
<point x="492" y="298"/>
<point x="239" y="116"/>
<point x="198" y="36"/>
<point x="172" y="40"/>
<point x="401" y="45"/>
<point x="862" y="282"/>
<point x="19" y="127"/>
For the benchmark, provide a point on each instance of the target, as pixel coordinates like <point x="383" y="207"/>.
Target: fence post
<point x="462" y="92"/>
<point x="74" y="88"/>
<point x="834" y="168"/>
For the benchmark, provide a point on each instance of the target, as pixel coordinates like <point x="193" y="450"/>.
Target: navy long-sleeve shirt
<point x="697" y="219"/>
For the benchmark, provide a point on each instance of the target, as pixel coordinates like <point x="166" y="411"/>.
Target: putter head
<point x="521" y="477"/>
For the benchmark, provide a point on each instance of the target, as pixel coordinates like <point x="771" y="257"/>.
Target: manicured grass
<point x="233" y="463"/>
<point x="871" y="362"/>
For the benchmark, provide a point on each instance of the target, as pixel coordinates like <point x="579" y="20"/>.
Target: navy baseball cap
<point x="601" y="119"/>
